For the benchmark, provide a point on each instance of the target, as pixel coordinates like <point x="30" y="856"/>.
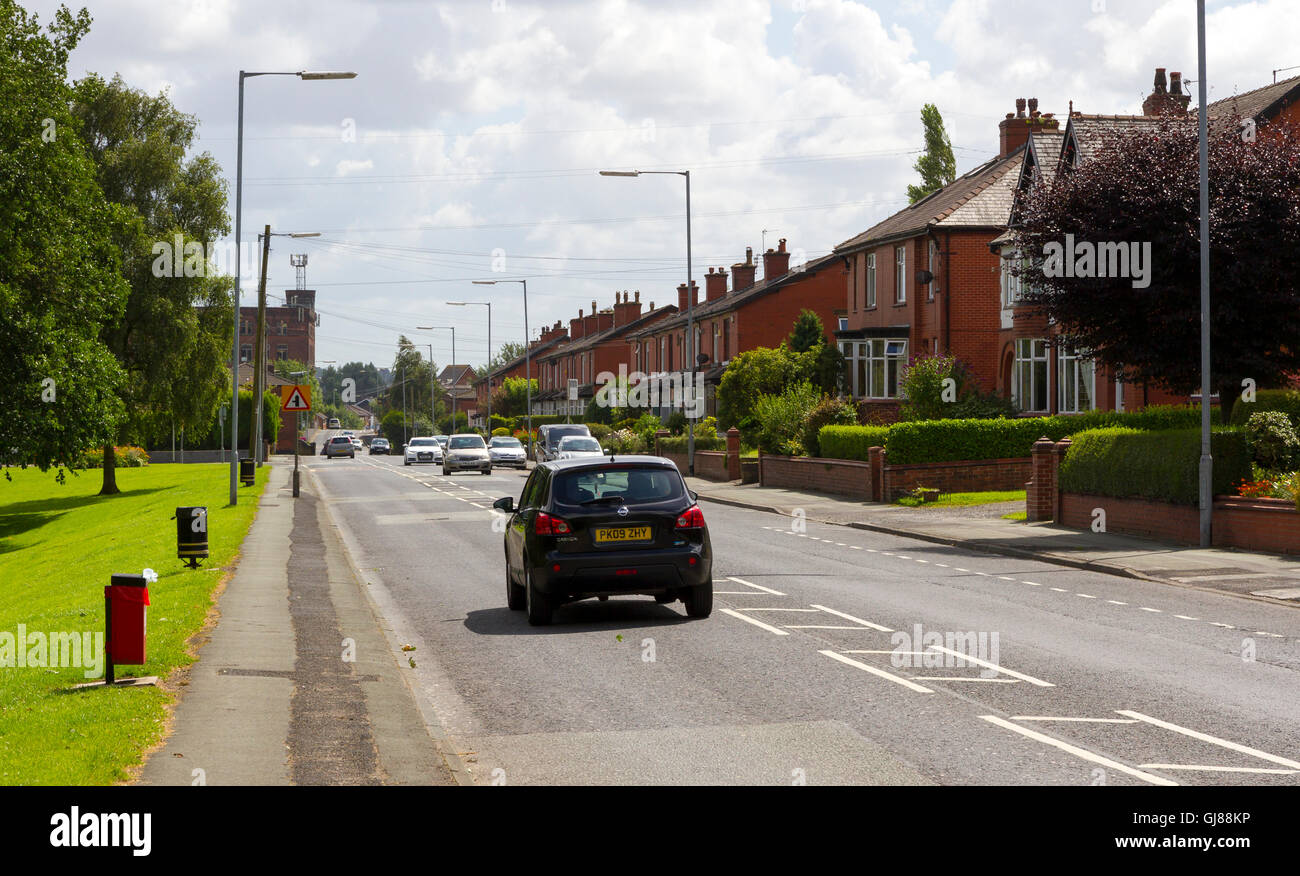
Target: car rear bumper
<point x="622" y="572"/>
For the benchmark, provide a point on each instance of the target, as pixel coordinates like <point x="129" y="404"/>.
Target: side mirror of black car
<point x="507" y="505"/>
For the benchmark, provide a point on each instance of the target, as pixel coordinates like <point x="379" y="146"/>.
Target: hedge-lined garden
<point x="1157" y="465"/>
<point x="909" y="443"/>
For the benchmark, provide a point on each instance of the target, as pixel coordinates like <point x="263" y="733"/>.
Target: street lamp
<point x="429" y="328"/>
<point x="488" y="305"/>
<point x="239" y="200"/>
<point x="528" y="364"/>
<point x="690" y="303"/>
<point x="1207" y="460"/>
<point x="259" y="354"/>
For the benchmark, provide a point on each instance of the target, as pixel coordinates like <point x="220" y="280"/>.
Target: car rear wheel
<point x="699" y="600"/>
<point x="537" y="605"/>
<point x="515" y="596"/>
<point x="488" y="470"/>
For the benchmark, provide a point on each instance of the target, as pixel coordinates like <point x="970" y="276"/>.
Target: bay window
<point x="1076" y="382"/>
<point x="874" y="366"/>
<point x="1029" y="375"/>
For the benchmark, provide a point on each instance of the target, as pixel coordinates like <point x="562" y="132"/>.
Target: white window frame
<point x="871" y="280"/>
<point x="900" y="274"/>
<point x="1032" y="354"/>
<point x="875" y="367"/>
<point x="1076" y="376"/>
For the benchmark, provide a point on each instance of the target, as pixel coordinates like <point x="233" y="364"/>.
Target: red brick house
<point x="485" y="384"/>
<point x="597" y="344"/>
<point x="290" y="329"/>
<point x="751" y="314"/>
<point x="923" y="281"/>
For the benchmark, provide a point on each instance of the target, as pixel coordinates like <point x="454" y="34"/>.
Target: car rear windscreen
<point x="632" y="484"/>
<point x="553" y="436"/>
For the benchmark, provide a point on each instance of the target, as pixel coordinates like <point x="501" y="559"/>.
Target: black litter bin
<point x="192" y="534"/>
<point x="247" y="472"/>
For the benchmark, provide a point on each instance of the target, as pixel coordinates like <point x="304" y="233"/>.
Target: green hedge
<point x="1285" y="400"/>
<point x="947" y="440"/>
<point x="1159" y="465"/>
<point x="850" y="442"/>
<point x="703" y="441"/>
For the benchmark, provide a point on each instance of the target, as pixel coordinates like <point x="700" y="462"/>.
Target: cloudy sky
<point x="467" y="147"/>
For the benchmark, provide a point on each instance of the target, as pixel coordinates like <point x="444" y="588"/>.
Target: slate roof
<point x="1263" y="102"/>
<point x="980" y="198"/>
<point x="595" y="339"/>
<point x="1085" y="133"/>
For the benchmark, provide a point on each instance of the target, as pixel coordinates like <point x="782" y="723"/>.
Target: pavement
<point x="1271" y="577"/>
<point x="298" y="682"/>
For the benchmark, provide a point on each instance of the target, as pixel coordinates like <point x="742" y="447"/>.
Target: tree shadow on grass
<point x="20" y="517"/>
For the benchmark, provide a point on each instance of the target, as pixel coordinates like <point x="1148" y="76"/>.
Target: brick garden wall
<point x="964" y="476"/>
<point x="842" y="477"/>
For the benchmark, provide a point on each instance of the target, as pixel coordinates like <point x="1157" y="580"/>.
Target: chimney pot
<point x="1033" y="107"/>
<point x="1020" y="107"/>
<point x="749" y="255"/>
<point x="638" y="297"/>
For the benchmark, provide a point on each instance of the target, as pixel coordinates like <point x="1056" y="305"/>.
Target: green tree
<point x="808" y="332"/>
<point x="754" y="373"/>
<point x="506" y="353"/>
<point x="59" y="267"/>
<point x="936" y="165"/>
<point x="173" y="338"/>
<point x="511" y="398"/>
<point x="413" y="380"/>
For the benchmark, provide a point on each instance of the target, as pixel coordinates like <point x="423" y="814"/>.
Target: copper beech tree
<point x="1109" y="250"/>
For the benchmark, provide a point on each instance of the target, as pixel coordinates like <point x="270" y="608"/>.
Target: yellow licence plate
<point x="622" y="533"/>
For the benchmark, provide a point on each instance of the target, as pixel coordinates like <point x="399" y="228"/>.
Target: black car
<point x="605" y="527"/>
<point x="379" y="445"/>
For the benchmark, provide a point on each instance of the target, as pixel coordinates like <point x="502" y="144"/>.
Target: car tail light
<point x="691" y="518"/>
<point x="548" y="525"/>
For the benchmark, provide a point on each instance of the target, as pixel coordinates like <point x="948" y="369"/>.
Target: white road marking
<point x="1217" y="769"/>
<point x="961" y="678"/>
<point x="878" y="672"/>
<point x="872" y="551"/>
<point x="776" y="609"/>
<point x="738" y="593"/>
<point x="856" y="620"/>
<point x="913" y="653"/>
<point x="757" y="623"/>
<point x="821" y="627"/>
<point x="901" y="557"/>
<point x="960" y="569"/>
<point x="1152" y="610"/>
<point x="1185" y="617"/>
<point x="1225" y="626"/>
<point x="978" y="662"/>
<point x="1213" y="740"/>
<point x="1116" y="602"/>
<point x="855" y="547"/>
<point x="924" y="561"/>
<point x="1005" y="578"/>
<point x="1060" y="589"/>
<point x="1085" y="596"/>
<point x="755" y="586"/>
<point x="1082" y="720"/>
<point x="944" y="565"/>
<point x="1032" y="583"/>
<point x="1079" y="752"/>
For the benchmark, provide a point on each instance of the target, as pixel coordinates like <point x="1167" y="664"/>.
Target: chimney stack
<point x="742" y="273"/>
<point x="576" y="326"/>
<point x="776" y="261"/>
<point x="1166" y="101"/>
<point x="1014" y="130"/>
<point x="715" y="284"/>
<point x="626" y="311"/>
<point x="683" y="299"/>
<point x="589" y="321"/>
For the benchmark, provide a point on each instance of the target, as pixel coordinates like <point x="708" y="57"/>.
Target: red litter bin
<point x="126" y="602"/>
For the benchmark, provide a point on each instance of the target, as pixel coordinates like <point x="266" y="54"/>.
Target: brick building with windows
<point x="290" y="329"/>
<point x="751" y="314"/>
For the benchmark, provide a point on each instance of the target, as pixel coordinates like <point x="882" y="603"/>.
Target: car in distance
<point x="356" y="442"/>
<point x="379" y="445"/>
<point x="548" y="438"/>
<point x="606" y="527"/>
<point x="425" y="449"/>
<point x="578" y="447"/>
<point x="340" y="445"/>
<point x="333" y="423"/>
<point x="506" y="451"/>
<point x="466" y="452"/>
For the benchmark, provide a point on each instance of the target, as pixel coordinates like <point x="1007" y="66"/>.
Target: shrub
<point x="645" y="427"/>
<point x="500" y="432"/>
<point x="708" y="425"/>
<point x="703" y="441"/>
<point x="781" y="417"/>
<point x="850" y="442"/>
<point x="598" y="430"/>
<point x="752" y="374"/>
<point x="1272" y="440"/>
<point x="624" y="441"/>
<point x="123" y="457"/>
<point x="1285" y="400"/>
<point x="676" y="422"/>
<point x="1158" y="465"/>
<point x="827" y="412"/>
<point x="927" y="398"/>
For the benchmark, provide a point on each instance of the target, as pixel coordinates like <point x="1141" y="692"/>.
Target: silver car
<point x="578" y="447"/>
<point x="340" y="445"/>
<point x="422" y="450"/>
<point x="466" y="452"/>
<point x="506" y="451"/>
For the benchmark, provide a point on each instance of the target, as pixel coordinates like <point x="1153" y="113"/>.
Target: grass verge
<point x="59" y="543"/>
<point x="950" y="500"/>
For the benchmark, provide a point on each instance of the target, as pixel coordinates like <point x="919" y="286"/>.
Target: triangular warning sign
<point x="295" y="401"/>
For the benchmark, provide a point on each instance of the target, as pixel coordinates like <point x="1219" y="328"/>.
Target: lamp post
<point x="488" y="305"/>
<point x="239" y="198"/>
<point x="690" y="304"/>
<point x="259" y="352"/>
<point x="528" y="364"/>
<point x="452" y="328"/>
<point x="1207" y="460"/>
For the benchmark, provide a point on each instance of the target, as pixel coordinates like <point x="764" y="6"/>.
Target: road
<point x="819" y="664"/>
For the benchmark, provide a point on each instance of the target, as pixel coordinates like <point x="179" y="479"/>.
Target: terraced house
<point x="750" y="314"/>
<point x="596" y="343"/>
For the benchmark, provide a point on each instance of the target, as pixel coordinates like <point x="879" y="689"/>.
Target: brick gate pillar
<point x="1040" y="492"/>
<point x="733" y="454"/>
<point x="876" y="456"/>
